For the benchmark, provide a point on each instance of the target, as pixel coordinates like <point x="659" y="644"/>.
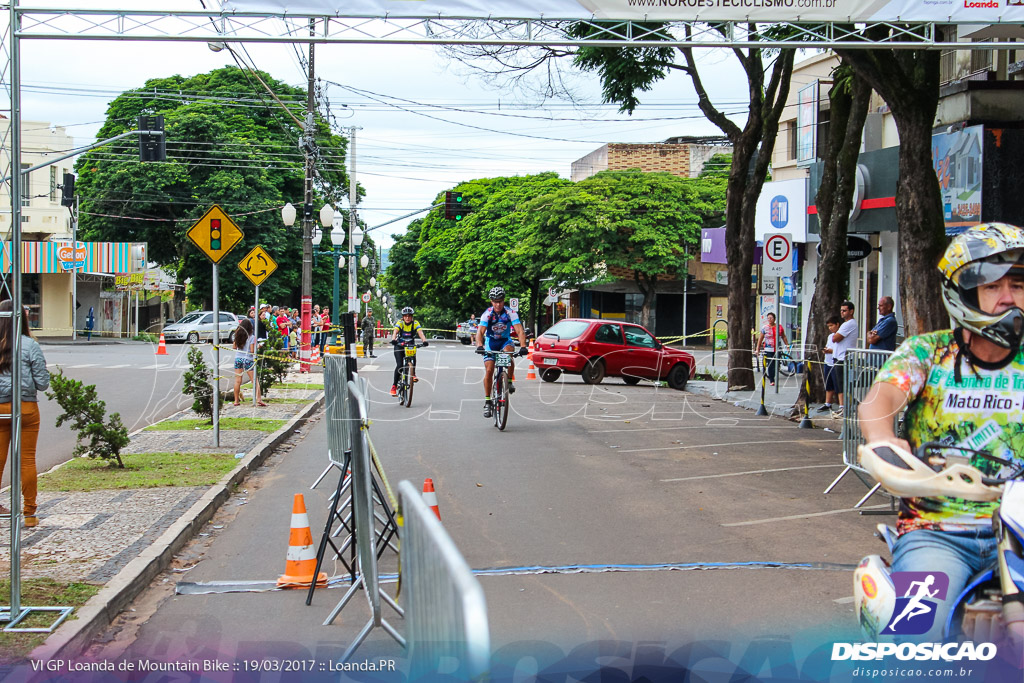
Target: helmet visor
<point x="978" y="273"/>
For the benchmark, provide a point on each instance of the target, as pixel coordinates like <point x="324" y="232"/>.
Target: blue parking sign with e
<point x="779" y="211"/>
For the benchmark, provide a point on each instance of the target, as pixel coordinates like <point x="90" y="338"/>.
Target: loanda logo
<point x="914" y="613"/>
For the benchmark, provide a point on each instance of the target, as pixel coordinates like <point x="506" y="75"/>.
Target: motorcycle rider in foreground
<point x="960" y="387"/>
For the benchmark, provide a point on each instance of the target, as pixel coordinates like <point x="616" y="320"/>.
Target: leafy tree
<point x="229" y="144"/>
<point x="908" y="81"/>
<point x="848" y="100"/>
<point x="197" y="383"/>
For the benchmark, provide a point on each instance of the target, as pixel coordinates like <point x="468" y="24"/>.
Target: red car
<point x="595" y="349"/>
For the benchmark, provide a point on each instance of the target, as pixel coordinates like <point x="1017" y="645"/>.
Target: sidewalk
<point x="95" y="341"/>
<point x="124" y="538"/>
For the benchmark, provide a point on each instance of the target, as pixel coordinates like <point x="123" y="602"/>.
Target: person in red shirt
<point x="282" y="326"/>
<point x="325" y="327"/>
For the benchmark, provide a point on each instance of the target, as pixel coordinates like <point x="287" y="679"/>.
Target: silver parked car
<point x="198" y="325"/>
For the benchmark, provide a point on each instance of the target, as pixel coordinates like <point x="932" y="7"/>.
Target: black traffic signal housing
<point x="67" y="190"/>
<point x="454" y="208"/>
<point x="215" y="233"/>
<point x="152" y="147"/>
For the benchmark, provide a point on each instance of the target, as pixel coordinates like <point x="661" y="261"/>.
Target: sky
<point x="425" y="121"/>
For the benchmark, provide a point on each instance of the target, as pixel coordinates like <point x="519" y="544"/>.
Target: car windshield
<point x="567" y="329"/>
<point x="190" y="318"/>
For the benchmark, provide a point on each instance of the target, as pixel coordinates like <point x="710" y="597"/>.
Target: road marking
<point x="83" y="365"/>
<point x="761" y="425"/>
<point x="709" y="445"/>
<point x="115" y="367"/>
<point x="740" y="474"/>
<point x="844" y="601"/>
<point x="805" y="516"/>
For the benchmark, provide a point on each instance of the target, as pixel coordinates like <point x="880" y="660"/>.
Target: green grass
<point x="141" y="471"/>
<point x="251" y="423"/>
<point x="300" y="385"/>
<point x="288" y="400"/>
<point x="41" y="592"/>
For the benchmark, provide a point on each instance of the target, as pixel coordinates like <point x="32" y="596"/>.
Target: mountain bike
<point x="405" y="375"/>
<point x="499" y="385"/>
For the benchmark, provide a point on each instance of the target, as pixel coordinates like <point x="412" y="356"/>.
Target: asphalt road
<point x="143" y="387"/>
<point x="583" y="479"/>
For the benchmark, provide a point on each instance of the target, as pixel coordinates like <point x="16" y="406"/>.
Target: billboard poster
<point x="807" y="124"/>
<point x="957" y="159"/>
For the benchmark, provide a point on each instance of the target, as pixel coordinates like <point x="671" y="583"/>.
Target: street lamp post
<point x="306" y="309"/>
<point x="336" y="254"/>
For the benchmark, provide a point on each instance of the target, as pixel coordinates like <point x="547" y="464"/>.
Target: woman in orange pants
<point x="34" y="378"/>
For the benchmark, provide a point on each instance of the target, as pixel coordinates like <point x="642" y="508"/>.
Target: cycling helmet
<point x="978" y="256"/>
<point x="408" y="311"/>
<point x="496" y="294"/>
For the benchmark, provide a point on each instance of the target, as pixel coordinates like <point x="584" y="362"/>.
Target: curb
<point x="101" y="609"/>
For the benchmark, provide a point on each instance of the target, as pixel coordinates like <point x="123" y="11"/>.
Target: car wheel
<point x="678" y="376"/>
<point x="631" y="381"/>
<point x="465" y="342"/>
<point x="550" y="374"/>
<point x="593" y="371"/>
<point x="231" y="337"/>
<point x="193" y="337"/>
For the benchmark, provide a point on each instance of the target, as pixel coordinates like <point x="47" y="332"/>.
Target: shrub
<point x="197" y="384"/>
<point x="272" y="363"/>
<point x="87" y="416"/>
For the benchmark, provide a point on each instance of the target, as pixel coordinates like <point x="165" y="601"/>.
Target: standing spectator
<point x="34" y="378"/>
<point x="883" y="335"/>
<point x="831" y="389"/>
<point x="769" y="343"/>
<point x="369" y="326"/>
<point x="245" y="360"/>
<point x="325" y="326"/>
<point x="261" y="323"/>
<point x="843" y="339"/>
<point x="315" y="325"/>
<point x="282" y="326"/>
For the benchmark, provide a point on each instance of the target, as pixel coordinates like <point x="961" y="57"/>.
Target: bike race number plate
<point x="411" y="351"/>
<point x="503" y="360"/>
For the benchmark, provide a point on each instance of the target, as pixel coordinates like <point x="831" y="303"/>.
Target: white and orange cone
<point x="161" y="348"/>
<point x="429" y="497"/>
<point x="301" y="558"/>
<point x="529" y="355"/>
<point x="531" y="373"/>
<point x="314" y="355"/>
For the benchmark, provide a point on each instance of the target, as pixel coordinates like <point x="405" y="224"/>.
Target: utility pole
<point x="306" y="309"/>
<point x="352" y="305"/>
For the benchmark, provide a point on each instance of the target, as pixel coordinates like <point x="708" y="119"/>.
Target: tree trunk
<point x="535" y="304"/>
<point x="908" y="81"/>
<point x="647" y="285"/>
<point x="849" y="108"/>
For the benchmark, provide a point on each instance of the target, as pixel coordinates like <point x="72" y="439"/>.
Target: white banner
<point x="846" y="11"/>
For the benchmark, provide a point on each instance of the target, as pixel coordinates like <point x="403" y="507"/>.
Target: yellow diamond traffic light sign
<point x="215" y="234"/>
<point x="257" y="266"/>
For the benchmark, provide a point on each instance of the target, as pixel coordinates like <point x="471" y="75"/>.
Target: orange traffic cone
<point x="301" y="558"/>
<point x="531" y="373"/>
<point x="429" y="497"/>
<point x="314" y="355"/>
<point x="529" y="354"/>
<point x="161" y="348"/>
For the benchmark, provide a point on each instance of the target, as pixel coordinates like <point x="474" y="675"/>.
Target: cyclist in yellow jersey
<point x="405" y="330"/>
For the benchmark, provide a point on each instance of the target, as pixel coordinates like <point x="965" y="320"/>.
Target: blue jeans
<point x="769" y="364"/>
<point x="958" y="554"/>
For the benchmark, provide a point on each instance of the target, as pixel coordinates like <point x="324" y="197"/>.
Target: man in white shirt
<point x="843" y="340"/>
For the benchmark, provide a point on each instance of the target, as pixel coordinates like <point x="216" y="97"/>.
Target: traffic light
<point x="214" y="233"/>
<point x="67" y="191"/>
<point x="152" y="147"/>
<point x="454" y="209"/>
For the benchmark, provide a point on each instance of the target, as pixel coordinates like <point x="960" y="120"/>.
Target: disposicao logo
<point x="914" y="613"/>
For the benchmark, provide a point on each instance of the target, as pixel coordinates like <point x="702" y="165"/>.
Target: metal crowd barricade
<point x="859" y="369"/>
<point x="445" y="611"/>
<point x="363" y="514"/>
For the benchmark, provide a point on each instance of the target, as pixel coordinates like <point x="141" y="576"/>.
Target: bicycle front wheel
<point x="407" y="371"/>
<point x="500" y="401"/>
<point x="784" y="362"/>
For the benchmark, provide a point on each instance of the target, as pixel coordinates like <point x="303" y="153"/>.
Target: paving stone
<point x="195" y="441"/>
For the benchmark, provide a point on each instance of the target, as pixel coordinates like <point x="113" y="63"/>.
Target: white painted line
<point x="805" y="516"/>
<point x="740" y="474"/>
<point x="844" y="601"/>
<point x="761" y="425"/>
<point x="83" y="365"/>
<point x="115" y="367"/>
<point x="710" y="445"/>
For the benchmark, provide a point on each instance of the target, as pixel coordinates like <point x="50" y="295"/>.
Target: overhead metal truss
<point x="262" y="27"/>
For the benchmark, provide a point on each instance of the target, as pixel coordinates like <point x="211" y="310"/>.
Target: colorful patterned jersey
<point x="498" y="326"/>
<point x="983" y="412"/>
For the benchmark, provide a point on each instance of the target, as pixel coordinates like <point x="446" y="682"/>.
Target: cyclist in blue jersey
<point x="494" y="333"/>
